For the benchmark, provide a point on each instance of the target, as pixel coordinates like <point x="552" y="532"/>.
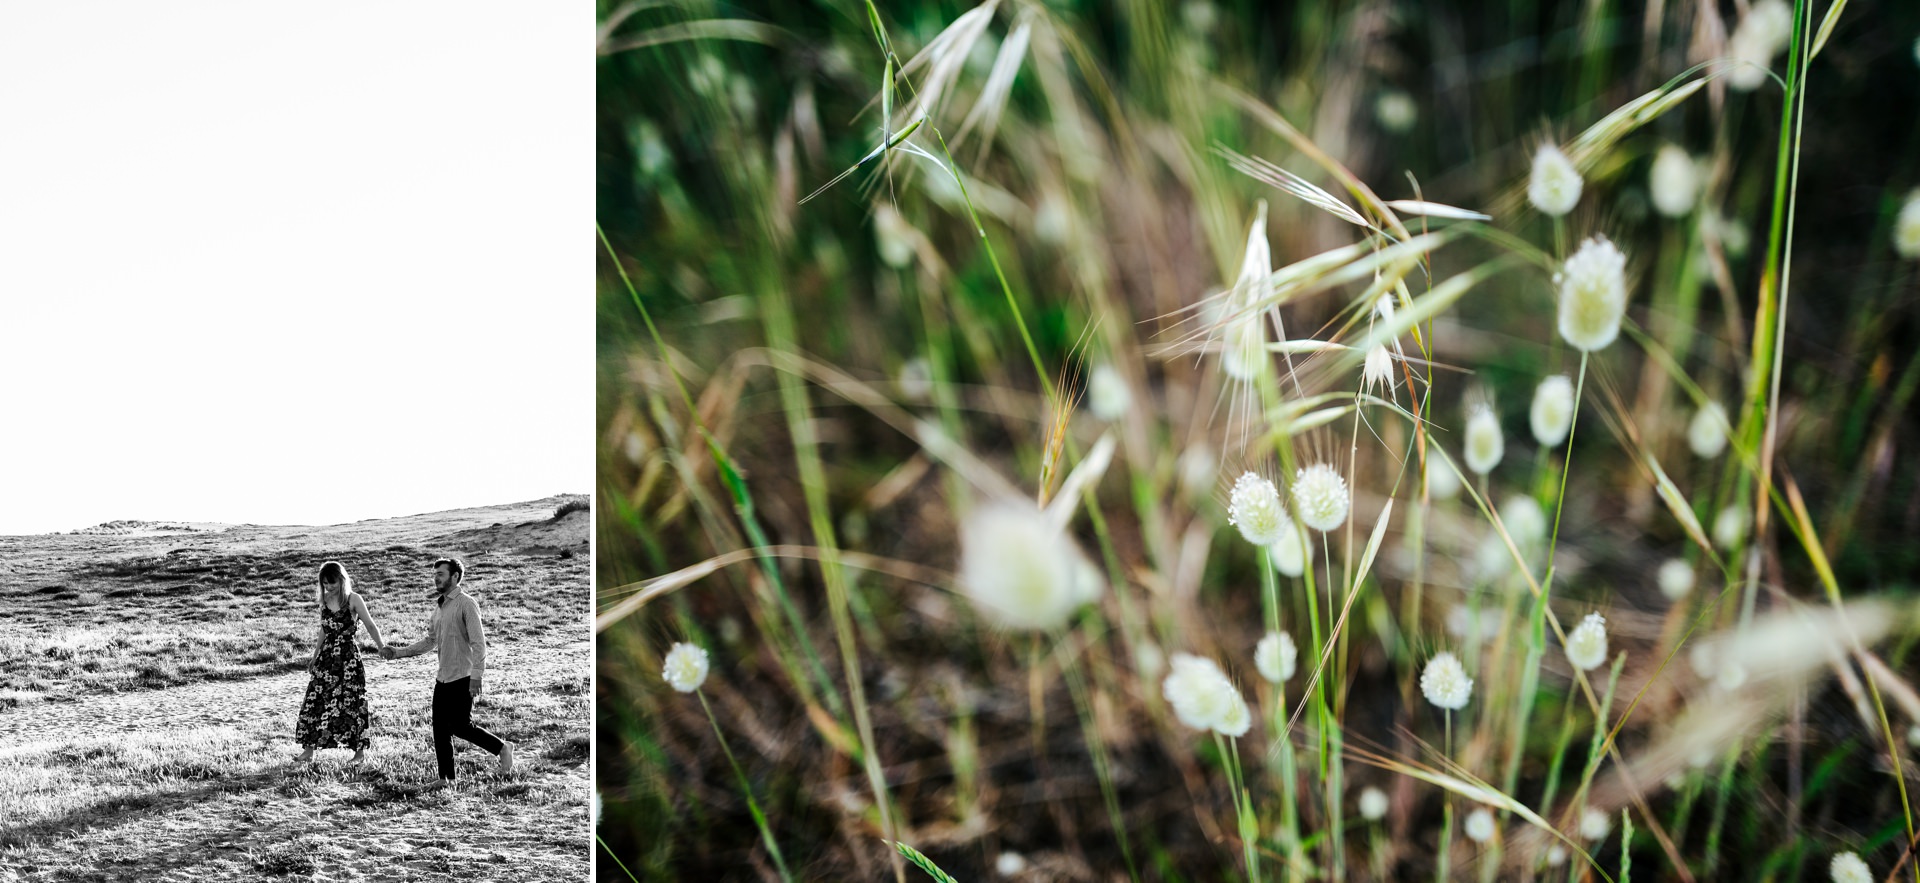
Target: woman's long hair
<point x="333" y="572"/>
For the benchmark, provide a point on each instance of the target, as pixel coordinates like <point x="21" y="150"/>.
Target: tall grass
<point x="859" y="264"/>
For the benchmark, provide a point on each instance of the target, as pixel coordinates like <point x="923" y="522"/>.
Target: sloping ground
<point x="567" y="533"/>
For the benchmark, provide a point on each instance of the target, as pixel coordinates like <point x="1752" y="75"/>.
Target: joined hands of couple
<point x="474" y="687"/>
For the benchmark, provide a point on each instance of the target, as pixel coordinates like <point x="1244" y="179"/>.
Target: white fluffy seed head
<point x="1396" y="111"/>
<point x="1674" y="182"/>
<point x="1556" y="855"/>
<point x="1293" y="552"/>
<point x="1442" y="482"/>
<point x="1320" y="496"/>
<point x="1010" y="864"/>
<point x="598" y="808"/>
<point x="1526" y="523"/>
<point x="1730" y="526"/>
<point x="1276" y="657"/>
<point x="1593" y="294"/>
<point x="1445" y="682"/>
<point x="1020" y="570"/>
<point x="1848" y="867"/>
<point x="1675" y="579"/>
<point x="1203" y="698"/>
<point x="1107" y="393"/>
<point x="1552" y="413"/>
<point x="1707" y="431"/>
<point x="1587" y="643"/>
<point x="686" y="667"/>
<point x="1485" y="445"/>
<point x="1760" y="36"/>
<point x="1254" y="507"/>
<point x="1480" y="825"/>
<point x="1595" y="825"/>
<point x="1373" y="804"/>
<point x="1554" y="184"/>
<point x="1906" y="227"/>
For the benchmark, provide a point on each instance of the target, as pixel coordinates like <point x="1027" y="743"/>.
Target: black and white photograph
<point x="1201" y="440"/>
<point x="296" y="470"/>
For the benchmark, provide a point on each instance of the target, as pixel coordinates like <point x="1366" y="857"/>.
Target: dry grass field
<point x="150" y="675"/>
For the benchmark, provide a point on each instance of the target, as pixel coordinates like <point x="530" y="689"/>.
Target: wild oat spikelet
<point x="1378" y="370"/>
<point x="1293" y="551"/>
<point x="1445" y="682"/>
<point x="1554" y="184"/>
<point x="1255" y="508"/>
<point x="1595" y="825"/>
<point x="1675" y="579"/>
<point x="1275" y="656"/>
<point x="1373" y="804"/>
<point x="686" y="667"/>
<point x="1593" y="294"/>
<point x="1674" y="182"/>
<point x="1485" y="445"/>
<point x="1707" y="431"/>
<point x="1480" y="825"/>
<point x="1107" y="393"/>
<point x="1587" y="644"/>
<point x="1203" y="698"/>
<point x="1320" y="496"/>
<point x="1848" y="867"/>
<point x="1906" y="228"/>
<point x="1552" y="413"/>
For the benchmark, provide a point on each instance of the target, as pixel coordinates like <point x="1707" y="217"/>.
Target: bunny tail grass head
<point x="1203" y="698"/>
<point x="1276" y="657"/>
<point x="1107" y="393"/>
<point x="1021" y="570"/>
<point x="1552" y="413"/>
<point x="1553" y="185"/>
<point x="1293" y="551"/>
<point x="1320" y="496"/>
<point x="686" y="667"/>
<point x="1848" y="867"/>
<point x="1445" y="683"/>
<point x="1593" y="294"/>
<point x="1373" y="804"/>
<point x="1674" y="182"/>
<point x="1906" y="227"/>
<point x="1480" y="825"/>
<point x="1707" y="431"/>
<point x="1675" y="579"/>
<point x="1485" y="445"/>
<point x="1587" y="644"/>
<point x="1595" y="825"/>
<point x="1254" y="507"/>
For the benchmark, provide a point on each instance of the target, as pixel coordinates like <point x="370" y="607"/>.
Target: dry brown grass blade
<point x="638" y="595"/>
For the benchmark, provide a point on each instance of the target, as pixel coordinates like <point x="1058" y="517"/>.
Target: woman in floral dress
<point x="334" y="714"/>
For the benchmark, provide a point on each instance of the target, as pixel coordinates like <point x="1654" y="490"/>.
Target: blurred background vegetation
<point x="811" y="337"/>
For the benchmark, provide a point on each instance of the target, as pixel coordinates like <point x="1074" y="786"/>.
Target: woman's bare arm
<point x="360" y="609"/>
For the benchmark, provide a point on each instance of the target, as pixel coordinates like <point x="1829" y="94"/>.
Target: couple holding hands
<point x="335" y="713"/>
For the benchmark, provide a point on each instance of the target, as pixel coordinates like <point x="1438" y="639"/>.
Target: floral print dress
<point x="334" y="714"/>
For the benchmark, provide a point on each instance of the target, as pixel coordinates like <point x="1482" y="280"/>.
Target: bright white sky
<point x="292" y="263"/>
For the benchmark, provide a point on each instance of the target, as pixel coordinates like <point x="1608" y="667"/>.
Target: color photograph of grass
<point x="151" y="673"/>
<point x="1221" y="440"/>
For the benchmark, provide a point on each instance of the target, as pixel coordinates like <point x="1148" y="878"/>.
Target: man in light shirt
<point x="456" y="633"/>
